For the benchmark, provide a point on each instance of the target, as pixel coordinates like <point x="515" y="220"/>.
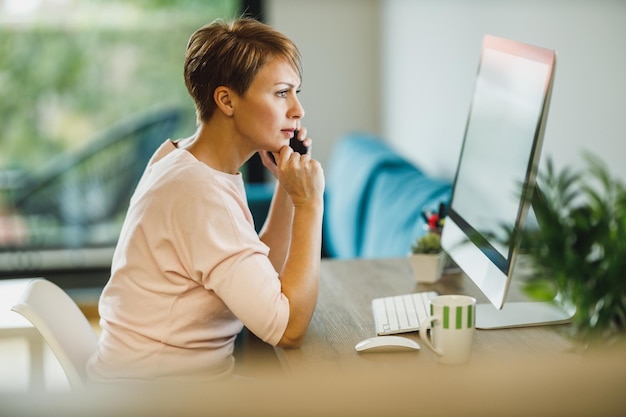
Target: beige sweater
<point x="188" y="272"/>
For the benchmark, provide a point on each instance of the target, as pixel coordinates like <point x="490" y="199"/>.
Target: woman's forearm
<point x="276" y="231"/>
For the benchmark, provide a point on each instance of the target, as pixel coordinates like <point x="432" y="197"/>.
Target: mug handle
<point x="424" y="326"/>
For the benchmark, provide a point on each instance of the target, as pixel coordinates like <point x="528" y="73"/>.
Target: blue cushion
<point x="396" y="200"/>
<point x="355" y="159"/>
<point x="374" y="199"/>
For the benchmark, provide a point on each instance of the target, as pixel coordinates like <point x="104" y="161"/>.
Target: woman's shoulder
<point x="162" y="151"/>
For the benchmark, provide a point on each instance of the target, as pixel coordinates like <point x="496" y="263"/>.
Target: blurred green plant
<point x="62" y="81"/>
<point x="428" y="243"/>
<point x="579" y="249"/>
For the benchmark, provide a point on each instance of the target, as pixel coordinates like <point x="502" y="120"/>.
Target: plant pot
<point x="427" y="267"/>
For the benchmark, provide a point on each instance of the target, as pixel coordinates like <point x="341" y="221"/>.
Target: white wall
<point x="430" y="55"/>
<point x="340" y="45"/>
<point x="405" y="69"/>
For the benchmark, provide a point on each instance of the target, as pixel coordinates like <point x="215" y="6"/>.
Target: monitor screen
<point x="498" y="162"/>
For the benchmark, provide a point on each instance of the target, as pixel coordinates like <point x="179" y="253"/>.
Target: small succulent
<point x="428" y="243"/>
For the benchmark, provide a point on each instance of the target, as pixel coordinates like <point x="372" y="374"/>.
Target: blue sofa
<point x="374" y="199"/>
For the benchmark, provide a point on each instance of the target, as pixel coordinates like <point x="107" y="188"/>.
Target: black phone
<point x="295" y="144"/>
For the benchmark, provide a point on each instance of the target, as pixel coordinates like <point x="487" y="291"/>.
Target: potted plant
<point x="427" y="258"/>
<point x="579" y="249"/>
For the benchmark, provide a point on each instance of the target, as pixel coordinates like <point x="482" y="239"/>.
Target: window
<point x="88" y="89"/>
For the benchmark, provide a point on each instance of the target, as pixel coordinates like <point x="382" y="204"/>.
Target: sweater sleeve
<point x="225" y="255"/>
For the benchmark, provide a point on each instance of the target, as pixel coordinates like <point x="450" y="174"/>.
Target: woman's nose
<point x="296" y="111"/>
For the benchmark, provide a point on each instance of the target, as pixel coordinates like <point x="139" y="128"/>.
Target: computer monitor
<point x="496" y="175"/>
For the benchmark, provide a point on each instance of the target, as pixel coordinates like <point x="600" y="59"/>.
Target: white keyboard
<point x="401" y="313"/>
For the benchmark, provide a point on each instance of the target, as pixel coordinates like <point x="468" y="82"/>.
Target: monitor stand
<point x="521" y="314"/>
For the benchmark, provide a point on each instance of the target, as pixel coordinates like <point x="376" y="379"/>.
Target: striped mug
<point x="451" y="324"/>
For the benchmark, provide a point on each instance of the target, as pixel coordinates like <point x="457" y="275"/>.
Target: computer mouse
<point x="386" y="344"/>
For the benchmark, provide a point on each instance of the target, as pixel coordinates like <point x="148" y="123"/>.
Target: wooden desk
<point x="516" y="372"/>
<point x="522" y="371"/>
<point x="344" y="317"/>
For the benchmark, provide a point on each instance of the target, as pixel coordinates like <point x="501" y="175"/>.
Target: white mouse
<point x="386" y="344"/>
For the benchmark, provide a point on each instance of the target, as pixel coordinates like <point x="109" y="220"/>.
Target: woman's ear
<point x="223" y="97"/>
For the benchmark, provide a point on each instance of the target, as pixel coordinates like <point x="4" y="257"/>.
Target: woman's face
<point x="269" y="111"/>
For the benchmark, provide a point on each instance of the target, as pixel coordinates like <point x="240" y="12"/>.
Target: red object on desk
<point x="433" y="222"/>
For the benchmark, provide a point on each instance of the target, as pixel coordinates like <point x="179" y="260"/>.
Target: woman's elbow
<point x="291" y="341"/>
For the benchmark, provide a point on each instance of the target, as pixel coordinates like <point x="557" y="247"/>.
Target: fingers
<point x="302" y="137"/>
<point x="302" y="131"/>
<point x="273" y="160"/>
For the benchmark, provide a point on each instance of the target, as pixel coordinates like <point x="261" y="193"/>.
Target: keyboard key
<point x="401" y="313"/>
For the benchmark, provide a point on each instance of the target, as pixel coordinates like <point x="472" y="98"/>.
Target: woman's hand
<point x="269" y="158"/>
<point x="299" y="175"/>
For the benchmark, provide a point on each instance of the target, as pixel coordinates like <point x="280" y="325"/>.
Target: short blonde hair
<point x="231" y="54"/>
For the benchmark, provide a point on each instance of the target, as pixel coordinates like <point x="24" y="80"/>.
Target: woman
<point x="189" y="270"/>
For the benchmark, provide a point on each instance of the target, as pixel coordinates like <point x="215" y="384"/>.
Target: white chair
<point x="61" y="323"/>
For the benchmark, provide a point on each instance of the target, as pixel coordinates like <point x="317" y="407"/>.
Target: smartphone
<point x="295" y="144"/>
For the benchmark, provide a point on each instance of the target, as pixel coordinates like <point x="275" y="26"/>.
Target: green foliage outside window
<point x="73" y="69"/>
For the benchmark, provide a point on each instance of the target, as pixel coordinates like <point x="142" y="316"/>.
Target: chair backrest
<point x="61" y="323"/>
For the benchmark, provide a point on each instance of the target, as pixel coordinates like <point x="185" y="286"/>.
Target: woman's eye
<point x="283" y="93"/>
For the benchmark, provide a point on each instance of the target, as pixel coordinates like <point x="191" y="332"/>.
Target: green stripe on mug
<point x="446" y="317"/>
<point x="470" y="321"/>
<point x="459" y="317"/>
